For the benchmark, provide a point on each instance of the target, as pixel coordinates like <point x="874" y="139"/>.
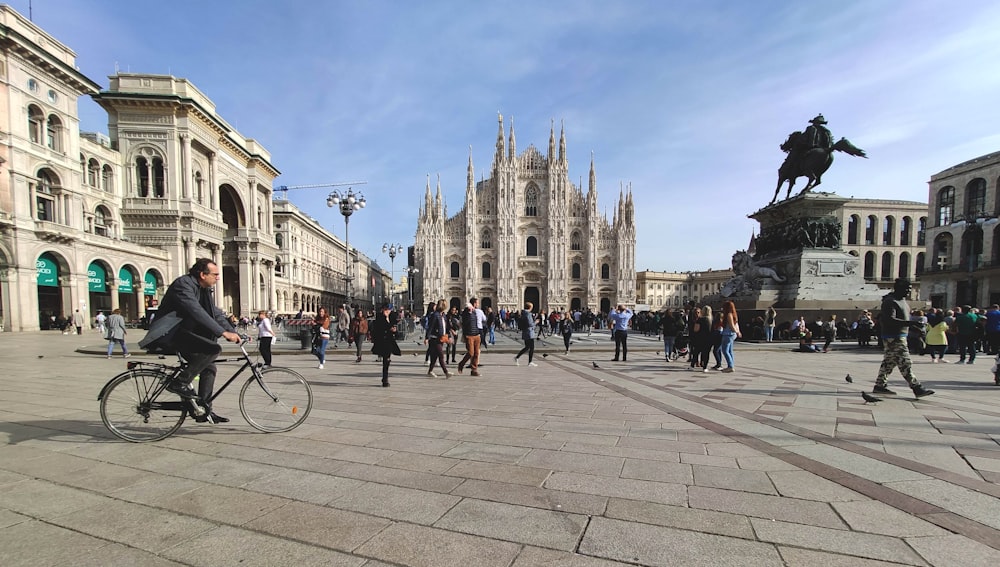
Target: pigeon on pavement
<point x="869" y="398"/>
<point x="849" y="379"/>
<point x="595" y="365"/>
<point x="545" y="355"/>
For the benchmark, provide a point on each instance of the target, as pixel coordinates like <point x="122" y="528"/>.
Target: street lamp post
<point x="410" y="271"/>
<point x="347" y="203"/>
<point x="392" y="250"/>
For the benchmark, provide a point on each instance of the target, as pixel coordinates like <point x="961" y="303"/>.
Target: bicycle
<point x="136" y="406"/>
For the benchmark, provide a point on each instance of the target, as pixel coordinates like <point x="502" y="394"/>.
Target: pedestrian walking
<point x="895" y="323"/>
<point x="359" y="330"/>
<point x="730" y="332"/>
<point x="383" y="333"/>
<point x="472" y="322"/>
<point x="265" y="334"/>
<point x="321" y="335"/>
<point x="116" y="333"/>
<point x="436" y="338"/>
<point x="79" y="321"/>
<point x="566" y="325"/>
<point x="101" y="319"/>
<point x="528" y="334"/>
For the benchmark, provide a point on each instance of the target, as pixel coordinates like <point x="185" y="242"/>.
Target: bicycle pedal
<point x="197" y="410"/>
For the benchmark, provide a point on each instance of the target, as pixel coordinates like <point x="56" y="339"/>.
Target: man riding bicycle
<point x="189" y="323"/>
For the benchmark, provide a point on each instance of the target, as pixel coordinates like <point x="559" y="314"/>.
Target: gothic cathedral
<point x="526" y="233"/>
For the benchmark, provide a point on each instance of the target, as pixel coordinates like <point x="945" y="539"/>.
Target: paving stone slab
<point x="658" y="471"/>
<point x="223" y="504"/>
<point x="538" y="557"/>
<point x="627" y="452"/>
<point x="419" y="546"/>
<point x="304" y="486"/>
<point x="234" y="547"/>
<point x="954" y="551"/>
<point x="705" y="521"/>
<point x="960" y="500"/>
<point x="573" y="462"/>
<point x="487" y="452"/>
<point x="808" y="486"/>
<point x="34" y="543"/>
<point x="877" y="518"/>
<point x="115" y="554"/>
<point x="796" y="557"/>
<point x="836" y="541"/>
<point x="135" y="525"/>
<point x="709" y="460"/>
<point x="656" y="545"/>
<point x="514" y="474"/>
<point x="766" y="463"/>
<point x="399" y="477"/>
<point x="44" y="500"/>
<point x="733" y="479"/>
<point x="522" y="524"/>
<point x="533" y="496"/>
<point x="661" y="492"/>
<point x="764" y="506"/>
<point x="397" y="503"/>
<point x="327" y="527"/>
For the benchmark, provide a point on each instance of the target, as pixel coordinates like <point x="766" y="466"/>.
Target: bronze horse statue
<point x="811" y="164"/>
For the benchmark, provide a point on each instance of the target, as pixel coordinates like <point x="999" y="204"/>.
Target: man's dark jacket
<point x="187" y="313"/>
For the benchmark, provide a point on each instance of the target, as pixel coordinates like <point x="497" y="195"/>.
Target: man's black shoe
<point x="181" y="389"/>
<point x="211" y="417"/>
<point x="920" y="392"/>
<point x="883" y="390"/>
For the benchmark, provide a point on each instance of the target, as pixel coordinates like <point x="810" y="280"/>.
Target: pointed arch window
<point x="487" y="271"/>
<point x="576" y="241"/>
<point x="486" y="239"/>
<point x="605" y="272"/>
<point x="454" y="270"/>
<point x="531" y="201"/>
<point x="532" y="246"/>
<point x="576" y="271"/>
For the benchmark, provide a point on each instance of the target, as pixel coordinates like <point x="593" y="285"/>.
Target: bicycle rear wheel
<point x="129" y="412"/>
<point x="279" y="401"/>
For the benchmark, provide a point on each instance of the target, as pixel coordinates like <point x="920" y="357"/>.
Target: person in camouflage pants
<point x="895" y="321"/>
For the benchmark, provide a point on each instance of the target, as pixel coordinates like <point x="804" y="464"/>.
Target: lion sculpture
<point x="748" y="276"/>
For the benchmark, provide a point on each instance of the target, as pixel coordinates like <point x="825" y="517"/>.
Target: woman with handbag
<point x="383" y="332"/>
<point x="321" y="336"/>
<point x="436" y="338"/>
<point x="730" y="332"/>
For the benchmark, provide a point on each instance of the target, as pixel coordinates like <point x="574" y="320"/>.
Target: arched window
<point x="142" y="177"/>
<point x="486" y="239"/>
<point x="53" y="133"/>
<point x="576" y="271"/>
<point x="853" y="226"/>
<point x="279" y="240"/>
<point x="279" y="268"/>
<point x="159" y="178"/>
<point x="575" y="241"/>
<point x="904" y="265"/>
<point x="487" y="272"/>
<point x="44" y="201"/>
<point x="920" y="263"/>
<point x="942" y="252"/>
<point x="454" y="269"/>
<point x="532" y="246"/>
<point x="888" y="228"/>
<point x="869" y="265"/>
<point x="605" y="272"/>
<point x="975" y="198"/>
<point x="36" y="122"/>
<point x="106" y="174"/>
<point x="905" y="228"/>
<point x="871" y="225"/>
<point x="887" y="266"/>
<point x="922" y="231"/>
<point x="92" y="168"/>
<point x="946" y="205"/>
<point x="102" y="222"/>
<point x="531" y="201"/>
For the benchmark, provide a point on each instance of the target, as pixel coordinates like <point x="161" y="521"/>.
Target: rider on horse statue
<point x="816" y="135"/>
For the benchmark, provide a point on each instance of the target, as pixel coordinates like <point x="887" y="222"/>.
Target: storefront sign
<point x="97" y="278"/>
<point x="124" y="281"/>
<point x="149" y="284"/>
<point x="48" y="273"/>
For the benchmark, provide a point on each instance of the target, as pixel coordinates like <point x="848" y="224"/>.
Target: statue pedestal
<point x="800" y="240"/>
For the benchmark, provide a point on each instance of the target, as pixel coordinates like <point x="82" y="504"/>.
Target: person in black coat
<point x="383" y="332"/>
<point x="188" y="322"/>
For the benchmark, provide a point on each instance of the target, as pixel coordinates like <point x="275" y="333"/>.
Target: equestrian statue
<point x="810" y="154"/>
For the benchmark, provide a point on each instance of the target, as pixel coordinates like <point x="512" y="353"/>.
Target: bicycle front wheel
<point x="130" y="412"/>
<point x="278" y="401"/>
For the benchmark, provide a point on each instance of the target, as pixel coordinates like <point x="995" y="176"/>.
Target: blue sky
<point x="686" y="101"/>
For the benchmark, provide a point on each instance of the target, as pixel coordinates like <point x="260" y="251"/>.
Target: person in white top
<point x="100" y="319"/>
<point x="265" y="335"/>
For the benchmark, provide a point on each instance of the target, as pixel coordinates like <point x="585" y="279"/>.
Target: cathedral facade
<point x="526" y="233"/>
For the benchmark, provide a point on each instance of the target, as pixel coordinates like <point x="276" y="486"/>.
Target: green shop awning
<point x="124" y="281"/>
<point x="97" y="278"/>
<point x="48" y="273"/>
<point x="149" y="284"/>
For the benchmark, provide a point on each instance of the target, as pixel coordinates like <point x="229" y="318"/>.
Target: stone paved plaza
<point x="563" y="464"/>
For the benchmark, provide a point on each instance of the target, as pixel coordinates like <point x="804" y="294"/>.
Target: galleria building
<point x="527" y="233"/>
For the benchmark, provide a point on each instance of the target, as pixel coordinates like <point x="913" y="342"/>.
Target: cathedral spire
<point x="438" y="201"/>
<point x="427" y="197"/>
<point x="501" y="145"/>
<point x="562" y="142"/>
<point x="470" y="179"/>
<point x="593" y="176"/>
<point x="552" y="141"/>
<point x="513" y="145"/>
